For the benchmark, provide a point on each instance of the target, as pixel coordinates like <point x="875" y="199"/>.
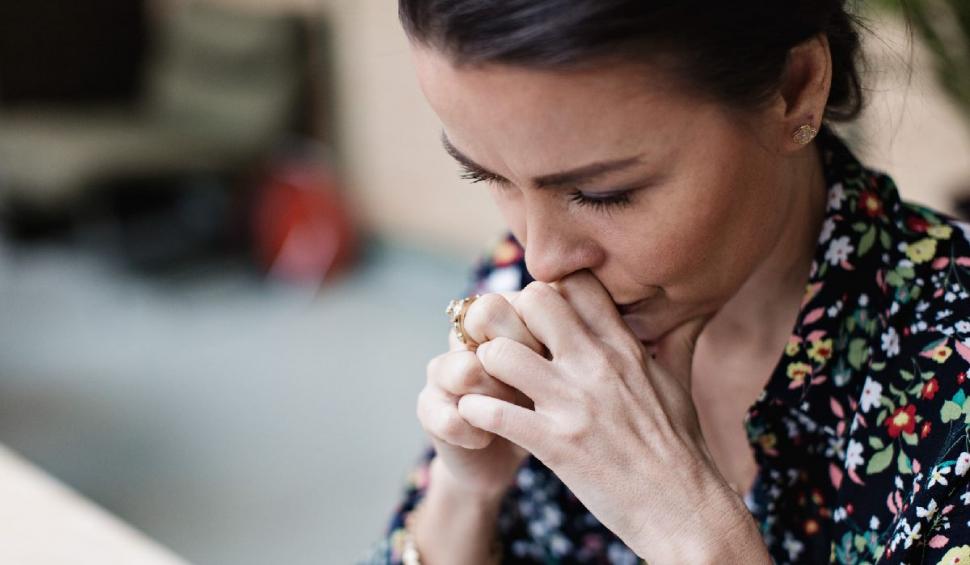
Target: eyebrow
<point x="578" y="175"/>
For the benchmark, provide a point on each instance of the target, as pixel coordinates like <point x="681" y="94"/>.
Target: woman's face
<point x="671" y="202"/>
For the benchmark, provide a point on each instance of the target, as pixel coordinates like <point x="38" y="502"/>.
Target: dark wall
<point x="54" y="51"/>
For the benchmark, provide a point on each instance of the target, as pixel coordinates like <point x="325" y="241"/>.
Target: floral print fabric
<point x="861" y="432"/>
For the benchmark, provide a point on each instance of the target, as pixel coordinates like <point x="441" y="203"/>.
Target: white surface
<point x="44" y="523"/>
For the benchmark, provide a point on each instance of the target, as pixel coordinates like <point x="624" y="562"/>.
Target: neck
<point x="761" y="315"/>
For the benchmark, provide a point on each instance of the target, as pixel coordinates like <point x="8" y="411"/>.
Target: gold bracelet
<point x="409" y="549"/>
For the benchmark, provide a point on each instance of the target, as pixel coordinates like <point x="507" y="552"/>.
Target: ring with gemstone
<point x="456" y="314"/>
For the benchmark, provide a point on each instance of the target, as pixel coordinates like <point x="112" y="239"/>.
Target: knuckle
<point x="493" y="418"/>
<point x="510" y="295"/>
<point x="486" y="304"/>
<point x="433" y="366"/>
<point x="483" y="314"/>
<point x="492" y="311"/>
<point x="575" y="431"/>
<point x="498" y="348"/>
<point x="467" y="374"/>
<point x="466" y="362"/>
<point x="535" y="291"/>
<point x="478" y="440"/>
<point x="449" y="425"/>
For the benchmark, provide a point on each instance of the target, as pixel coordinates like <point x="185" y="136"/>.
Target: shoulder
<point x="501" y="267"/>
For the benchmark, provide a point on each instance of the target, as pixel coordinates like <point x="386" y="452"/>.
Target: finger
<point x="518" y="367"/>
<point x="519" y="425"/>
<point x="455" y="344"/>
<point x="438" y="414"/>
<point x="510" y="294"/>
<point x="461" y="372"/>
<point x="593" y="303"/>
<point x="675" y="350"/>
<point x="492" y="316"/>
<point x="519" y="397"/>
<point x="551" y="319"/>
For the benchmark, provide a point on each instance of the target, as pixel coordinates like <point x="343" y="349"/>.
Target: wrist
<point x="719" y="529"/>
<point x="452" y="489"/>
<point x="448" y="526"/>
<point x="734" y="536"/>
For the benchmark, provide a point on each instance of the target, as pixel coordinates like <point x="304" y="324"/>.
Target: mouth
<point x="628" y="308"/>
<point x="653" y="294"/>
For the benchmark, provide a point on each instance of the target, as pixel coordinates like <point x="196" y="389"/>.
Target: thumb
<point x="675" y="350"/>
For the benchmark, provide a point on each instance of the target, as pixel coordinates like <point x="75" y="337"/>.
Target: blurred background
<point x="229" y="234"/>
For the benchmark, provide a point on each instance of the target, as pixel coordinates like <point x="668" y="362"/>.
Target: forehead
<point x="503" y="114"/>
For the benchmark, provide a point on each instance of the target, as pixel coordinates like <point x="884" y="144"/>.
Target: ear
<point x="805" y="87"/>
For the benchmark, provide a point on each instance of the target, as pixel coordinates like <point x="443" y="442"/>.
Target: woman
<point x="740" y="346"/>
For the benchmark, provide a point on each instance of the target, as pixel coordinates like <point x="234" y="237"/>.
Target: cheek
<point x="726" y="236"/>
<point x="699" y="245"/>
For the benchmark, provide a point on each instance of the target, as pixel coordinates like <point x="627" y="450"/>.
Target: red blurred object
<point x="303" y="231"/>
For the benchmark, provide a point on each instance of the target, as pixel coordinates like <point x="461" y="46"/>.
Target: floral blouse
<point x="861" y="432"/>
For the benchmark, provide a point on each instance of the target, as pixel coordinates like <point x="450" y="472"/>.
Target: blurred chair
<point x="222" y="86"/>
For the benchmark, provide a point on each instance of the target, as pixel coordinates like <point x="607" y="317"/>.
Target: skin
<point x="654" y="324"/>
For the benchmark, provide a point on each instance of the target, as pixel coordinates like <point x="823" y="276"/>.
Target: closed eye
<point x="605" y="202"/>
<point x="477" y="176"/>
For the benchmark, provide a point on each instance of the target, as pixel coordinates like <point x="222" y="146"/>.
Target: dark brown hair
<point x="733" y="51"/>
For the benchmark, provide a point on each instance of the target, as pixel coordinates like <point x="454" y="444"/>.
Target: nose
<point x="554" y="250"/>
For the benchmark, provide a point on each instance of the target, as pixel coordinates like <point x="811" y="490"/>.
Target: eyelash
<point x="477" y="176"/>
<point x="601" y="203"/>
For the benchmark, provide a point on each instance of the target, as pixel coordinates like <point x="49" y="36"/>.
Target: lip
<point x="625" y="309"/>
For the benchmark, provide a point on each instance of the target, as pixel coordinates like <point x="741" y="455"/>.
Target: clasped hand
<point x="560" y="375"/>
<point x="614" y="421"/>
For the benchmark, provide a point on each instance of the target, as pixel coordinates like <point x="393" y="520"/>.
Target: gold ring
<point x="456" y="313"/>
